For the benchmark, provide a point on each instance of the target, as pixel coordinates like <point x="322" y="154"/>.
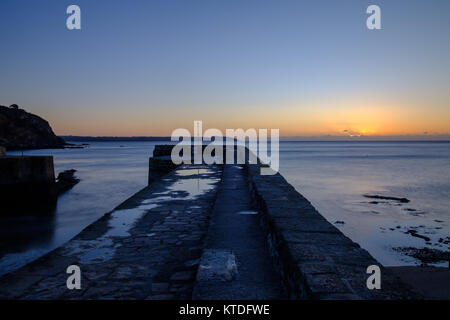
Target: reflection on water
<point x="30" y="234"/>
<point x="24" y="226"/>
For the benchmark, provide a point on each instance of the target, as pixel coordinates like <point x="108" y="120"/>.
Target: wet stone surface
<point x="147" y="248"/>
<point x="236" y="263"/>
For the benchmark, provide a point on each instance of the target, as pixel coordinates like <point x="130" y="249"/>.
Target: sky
<point x="309" y="68"/>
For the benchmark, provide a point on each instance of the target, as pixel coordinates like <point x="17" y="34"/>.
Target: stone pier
<point x="314" y="258"/>
<point x="207" y="232"/>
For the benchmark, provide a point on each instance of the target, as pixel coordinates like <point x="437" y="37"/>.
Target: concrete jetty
<point x="207" y="232"/>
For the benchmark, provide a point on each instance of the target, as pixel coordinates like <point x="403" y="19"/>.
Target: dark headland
<point x="20" y="130"/>
<point x="28" y="181"/>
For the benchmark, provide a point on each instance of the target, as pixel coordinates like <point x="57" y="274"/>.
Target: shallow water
<point x="334" y="176"/>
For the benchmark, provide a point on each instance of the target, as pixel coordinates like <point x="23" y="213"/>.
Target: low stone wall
<point x="15" y="169"/>
<point x="161" y="150"/>
<point x="27" y="181"/>
<point x="161" y="162"/>
<point x="165" y="151"/>
<point x="315" y="260"/>
<point x="159" y="166"/>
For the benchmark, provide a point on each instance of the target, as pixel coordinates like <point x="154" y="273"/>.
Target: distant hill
<point x="105" y="139"/>
<point x="22" y="130"/>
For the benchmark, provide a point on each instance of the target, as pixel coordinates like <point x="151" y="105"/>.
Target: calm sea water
<point x="334" y="176"/>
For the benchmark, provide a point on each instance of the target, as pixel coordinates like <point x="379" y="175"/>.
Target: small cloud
<point x="352" y="133"/>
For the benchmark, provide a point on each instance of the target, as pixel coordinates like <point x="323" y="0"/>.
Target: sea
<point x="334" y="176"/>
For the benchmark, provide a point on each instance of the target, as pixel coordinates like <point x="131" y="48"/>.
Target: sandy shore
<point x="432" y="282"/>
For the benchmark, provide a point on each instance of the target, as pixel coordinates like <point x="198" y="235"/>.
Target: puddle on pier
<point x="247" y="212"/>
<point x="190" y="184"/>
<point x="193" y="172"/>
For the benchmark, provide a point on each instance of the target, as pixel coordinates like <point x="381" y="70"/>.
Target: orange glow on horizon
<point x="335" y="119"/>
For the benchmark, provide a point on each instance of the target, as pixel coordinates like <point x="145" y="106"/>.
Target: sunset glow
<point x="150" y="68"/>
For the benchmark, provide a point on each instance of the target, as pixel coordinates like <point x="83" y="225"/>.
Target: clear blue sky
<point x="306" y="67"/>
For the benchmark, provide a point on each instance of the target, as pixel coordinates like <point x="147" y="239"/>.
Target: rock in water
<point x="66" y="180"/>
<point x="402" y="200"/>
<point x="22" y="130"/>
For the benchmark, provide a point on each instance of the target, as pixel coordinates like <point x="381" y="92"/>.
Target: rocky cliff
<point x="22" y="130"/>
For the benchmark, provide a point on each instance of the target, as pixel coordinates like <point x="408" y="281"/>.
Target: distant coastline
<point x="111" y="139"/>
<point x="436" y="138"/>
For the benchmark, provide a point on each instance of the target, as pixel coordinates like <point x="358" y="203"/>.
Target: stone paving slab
<point x="147" y="248"/>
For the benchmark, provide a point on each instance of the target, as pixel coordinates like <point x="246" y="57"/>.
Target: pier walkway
<point x="147" y="248"/>
<point x="236" y="263"/>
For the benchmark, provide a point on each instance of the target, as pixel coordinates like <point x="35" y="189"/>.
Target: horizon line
<point x="430" y="138"/>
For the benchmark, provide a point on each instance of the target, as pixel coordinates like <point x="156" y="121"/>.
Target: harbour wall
<point x="313" y="257"/>
<point x="27" y="181"/>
